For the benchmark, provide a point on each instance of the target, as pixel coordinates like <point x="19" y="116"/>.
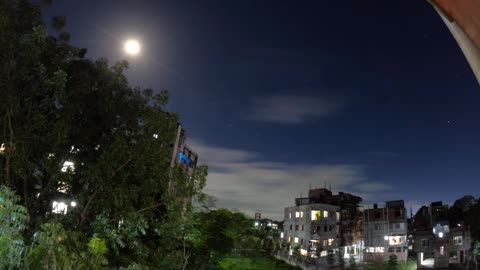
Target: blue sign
<point x="183" y="158"/>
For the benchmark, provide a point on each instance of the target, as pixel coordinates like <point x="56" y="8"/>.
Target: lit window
<point x="316" y="215"/>
<point x="301" y="214"/>
<point x="2" y="148"/>
<point x="303" y="252"/>
<point x="290" y="215"/>
<point x="295" y="240"/>
<point x="325" y="214"/>
<point x="442" y="250"/>
<point x="297" y="214"/>
<point x="324" y="243"/>
<point x="397" y="240"/>
<point x="281" y="235"/>
<point x="68" y="165"/>
<point x="59" y="208"/>
<point x="155" y="136"/>
<point x="289" y="239"/>
<point x="330" y="241"/>
<point x="457" y="240"/>
<point x="338" y="216"/>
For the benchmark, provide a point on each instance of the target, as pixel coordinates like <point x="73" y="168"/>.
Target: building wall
<point x="385" y="232"/>
<point x="428" y="247"/>
<point x="304" y="228"/>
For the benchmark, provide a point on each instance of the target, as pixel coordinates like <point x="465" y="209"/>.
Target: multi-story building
<point x="385" y="232"/>
<point x="438" y="241"/>
<point x="182" y="154"/>
<point x="323" y="220"/>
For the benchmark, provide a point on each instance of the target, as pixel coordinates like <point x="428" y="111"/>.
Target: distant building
<point x="323" y="220"/>
<point x="385" y="232"/>
<point x="182" y="153"/>
<point x="437" y="241"/>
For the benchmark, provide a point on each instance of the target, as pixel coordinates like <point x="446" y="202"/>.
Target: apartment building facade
<point x="322" y="221"/>
<point x="438" y="241"/>
<point x="385" y="232"/>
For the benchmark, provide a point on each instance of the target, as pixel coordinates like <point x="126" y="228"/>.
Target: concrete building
<point x="385" y="232"/>
<point x="437" y="241"/>
<point x="323" y="220"/>
<point x="182" y="154"/>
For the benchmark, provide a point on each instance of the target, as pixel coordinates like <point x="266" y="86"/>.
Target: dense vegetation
<point x="74" y="134"/>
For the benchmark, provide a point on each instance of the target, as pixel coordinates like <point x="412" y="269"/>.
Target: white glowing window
<point x="297" y="214"/>
<point x="316" y="214"/>
<point x="59" y="208"/>
<point x="281" y="235"/>
<point x="301" y="214"/>
<point x="330" y="241"/>
<point x="325" y="214"/>
<point x="442" y="250"/>
<point x="458" y="240"/>
<point x="397" y="240"/>
<point x="295" y="240"/>
<point x="290" y="215"/>
<point x="2" y="148"/>
<point x="68" y="165"/>
<point x="338" y="216"/>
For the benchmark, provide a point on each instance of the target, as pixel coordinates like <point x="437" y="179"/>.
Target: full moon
<point x="132" y="47"/>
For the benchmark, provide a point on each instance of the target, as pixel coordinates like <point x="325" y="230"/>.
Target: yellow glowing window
<point x="316" y="214"/>
<point x="330" y="241"/>
<point x="289" y="239"/>
<point x="325" y="214"/>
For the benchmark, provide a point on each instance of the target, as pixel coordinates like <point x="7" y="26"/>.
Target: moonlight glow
<point x="132" y="47"/>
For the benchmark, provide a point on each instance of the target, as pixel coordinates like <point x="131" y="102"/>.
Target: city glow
<point x="132" y="47"/>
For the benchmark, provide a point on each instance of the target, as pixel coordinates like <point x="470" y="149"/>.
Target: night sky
<point x="370" y="97"/>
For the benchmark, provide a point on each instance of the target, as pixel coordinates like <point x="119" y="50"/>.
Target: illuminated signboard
<point x="183" y="158"/>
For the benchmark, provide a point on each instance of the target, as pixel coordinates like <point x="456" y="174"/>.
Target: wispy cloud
<point x="292" y="109"/>
<point x="241" y="180"/>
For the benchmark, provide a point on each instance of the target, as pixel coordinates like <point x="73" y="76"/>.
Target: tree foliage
<point x="126" y="205"/>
